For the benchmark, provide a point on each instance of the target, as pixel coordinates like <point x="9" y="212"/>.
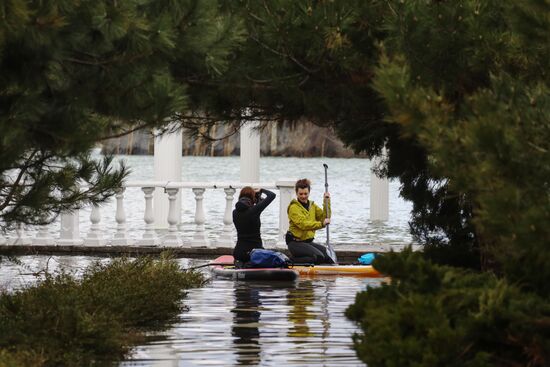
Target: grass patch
<point x="94" y="319"/>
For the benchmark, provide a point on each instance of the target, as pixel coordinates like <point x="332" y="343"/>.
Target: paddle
<point x="209" y="264"/>
<point x="330" y="251"/>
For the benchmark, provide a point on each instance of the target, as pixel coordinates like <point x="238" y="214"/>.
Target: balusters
<point x="172" y="238"/>
<point x="121" y="236"/>
<point x="150" y="237"/>
<point x="95" y="234"/>
<point x="199" y="238"/>
<point x="226" y="237"/>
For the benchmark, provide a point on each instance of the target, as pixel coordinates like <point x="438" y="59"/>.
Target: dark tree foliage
<point x="76" y="72"/>
<point x="433" y="315"/>
<point x="478" y="103"/>
<point x="315" y="60"/>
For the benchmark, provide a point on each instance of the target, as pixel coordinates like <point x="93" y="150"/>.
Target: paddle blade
<point x="332" y="254"/>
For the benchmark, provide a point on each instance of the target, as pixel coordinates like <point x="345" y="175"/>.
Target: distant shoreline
<point x="278" y="140"/>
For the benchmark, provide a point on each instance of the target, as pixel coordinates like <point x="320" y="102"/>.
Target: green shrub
<point x="431" y="315"/>
<point x="67" y="321"/>
<point x="144" y="293"/>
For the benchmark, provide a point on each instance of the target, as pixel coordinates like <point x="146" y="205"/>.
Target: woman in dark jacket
<point x="246" y="217"/>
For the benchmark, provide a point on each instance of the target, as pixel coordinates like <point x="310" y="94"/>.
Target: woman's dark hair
<point x="248" y="192"/>
<point x="304" y="183"/>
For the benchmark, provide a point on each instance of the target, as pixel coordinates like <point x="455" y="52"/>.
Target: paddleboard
<point x="259" y="274"/>
<point x="357" y="270"/>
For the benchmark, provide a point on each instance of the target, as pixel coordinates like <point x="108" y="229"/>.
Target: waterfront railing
<point x="151" y="234"/>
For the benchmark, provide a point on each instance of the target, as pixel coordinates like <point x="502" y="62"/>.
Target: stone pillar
<point x="149" y="236"/>
<point x="173" y="237"/>
<point x="95" y="235"/>
<point x="121" y="237"/>
<point x="379" y="193"/>
<point x="250" y="153"/>
<point x="286" y="193"/>
<point x="70" y="229"/>
<point x="226" y="238"/>
<point x="199" y="238"/>
<point x="167" y="167"/>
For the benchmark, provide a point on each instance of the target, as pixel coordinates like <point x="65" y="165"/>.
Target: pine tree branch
<point x="114" y="60"/>
<point x="230" y="85"/>
<point x="16" y="184"/>
<point x="126" y="132"/>
<point x="265" y="81"/>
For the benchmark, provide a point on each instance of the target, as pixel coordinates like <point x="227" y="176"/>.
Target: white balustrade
<point x="199" y="238"/>
<point x="172" y="238"/>
<point x="69" y="234"/>
<point x="227" y="239"/>
<point x="21" y="237"/>
<point x="121" y="236"/>
<point x="150" y="237"/>
<point x="95" y="235"/>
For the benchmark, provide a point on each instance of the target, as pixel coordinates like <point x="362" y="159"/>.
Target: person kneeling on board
<point x="246" y="218"/>
<point x="305" y="217"/>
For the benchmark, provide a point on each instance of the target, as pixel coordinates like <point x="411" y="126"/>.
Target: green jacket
<point x="303" y="223"/>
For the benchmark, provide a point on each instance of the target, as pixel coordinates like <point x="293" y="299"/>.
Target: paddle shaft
<point x="209" y="264"/>
<point x="330" y="251"/>
<point x="326" y="202"/>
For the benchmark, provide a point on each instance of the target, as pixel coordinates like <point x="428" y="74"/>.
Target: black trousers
<point x="307" y="252"/>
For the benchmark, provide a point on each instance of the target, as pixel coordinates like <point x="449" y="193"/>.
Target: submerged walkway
<point x="347" y="254"/>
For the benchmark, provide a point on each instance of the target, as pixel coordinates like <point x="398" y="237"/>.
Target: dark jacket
<point x="246" y="218"/>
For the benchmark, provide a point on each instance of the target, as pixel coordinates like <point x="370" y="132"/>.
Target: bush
<point x="432" y="315"/>
<point x="67" y="321"/>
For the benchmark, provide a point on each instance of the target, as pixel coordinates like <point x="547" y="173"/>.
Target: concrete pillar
<point x="250" y="152"/>
<point x="173" y="237"/>
<point x="95" y="235"/>
<point x="70" y="229"/>
<point x="379" y="193"/>
<point x="286" y="193"/>
<point x="167" y="167"/>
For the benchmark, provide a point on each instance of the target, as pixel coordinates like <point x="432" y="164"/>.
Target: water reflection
<point x="300" y="301"/>
<point x="246" y="318"/>
<point x="242" y="323"/>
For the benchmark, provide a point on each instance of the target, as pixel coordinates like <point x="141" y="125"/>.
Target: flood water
<point x="236" y="323"/>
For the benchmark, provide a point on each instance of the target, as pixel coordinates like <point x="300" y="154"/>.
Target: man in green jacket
<point x="305" y="217"/>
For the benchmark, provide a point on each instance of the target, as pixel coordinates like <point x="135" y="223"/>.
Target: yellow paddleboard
<point x="357" y="270"/>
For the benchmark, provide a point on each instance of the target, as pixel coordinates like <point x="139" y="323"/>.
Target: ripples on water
<point x="232" y="323"/>
<point x="349" y="184"/>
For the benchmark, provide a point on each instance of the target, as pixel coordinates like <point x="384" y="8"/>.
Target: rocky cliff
<point x="300" y="140"/>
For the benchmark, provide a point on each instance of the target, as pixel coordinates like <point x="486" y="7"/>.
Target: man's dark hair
<point x="304" y="183"/>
